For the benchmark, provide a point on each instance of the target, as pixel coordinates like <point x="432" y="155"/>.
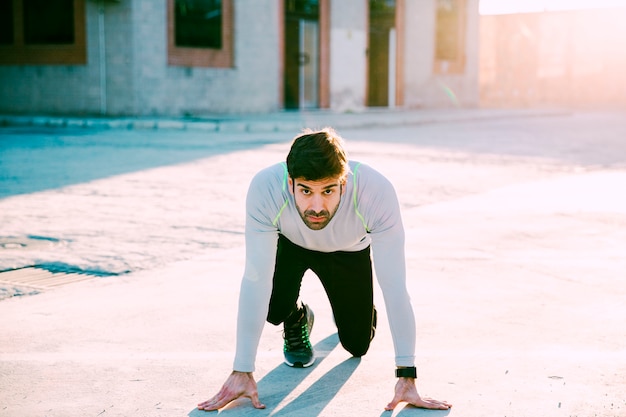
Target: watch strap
<point x="409" y="372"/>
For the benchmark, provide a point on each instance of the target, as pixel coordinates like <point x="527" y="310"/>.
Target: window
<point x="304" y="9"/>
<point x="450" y="36"/>
<point x="6" y="22"/>
<point x="200" y="33"/>
<point x="48" y="22"/>
<point x="42" y="32"/>
<point x="198" y="24"/>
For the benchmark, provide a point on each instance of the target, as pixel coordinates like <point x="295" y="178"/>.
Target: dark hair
<point x="317" y="155"/>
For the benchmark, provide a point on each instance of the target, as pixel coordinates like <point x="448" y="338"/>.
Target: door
<point x="381" y="53"/>
<point x="302" y="40"/>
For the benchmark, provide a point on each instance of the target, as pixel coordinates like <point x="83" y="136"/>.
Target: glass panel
<point x="48" y="22"/>
<point x="447" y="36"/>
<point x="308" y="64"/>
<point x="383" y="7"/>
<point x="198" y="23"/>
<point x="6" y="22"/>
<point x="303" y="8"/>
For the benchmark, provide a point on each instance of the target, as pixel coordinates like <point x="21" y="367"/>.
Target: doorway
<point x="381" y="58"/>
<point x="302" y="54"/>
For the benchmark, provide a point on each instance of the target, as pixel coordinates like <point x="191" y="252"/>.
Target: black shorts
<point x="347" y="279"/>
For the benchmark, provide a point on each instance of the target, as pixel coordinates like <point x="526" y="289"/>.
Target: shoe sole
<point x="300" y="364"/>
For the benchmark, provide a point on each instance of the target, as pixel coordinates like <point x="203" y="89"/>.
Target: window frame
<point x="20" y="53"/>
<point x="202" y="57"/>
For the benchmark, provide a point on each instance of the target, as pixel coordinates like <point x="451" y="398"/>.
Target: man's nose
<point x="317" y="203"/>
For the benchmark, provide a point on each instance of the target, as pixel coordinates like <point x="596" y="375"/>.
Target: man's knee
<point x="358" y="343"/>
<point x="356" y="349"/>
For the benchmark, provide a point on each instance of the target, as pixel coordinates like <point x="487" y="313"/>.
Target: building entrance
<point x="382" y="53"/>
<point x="302" y="40"/>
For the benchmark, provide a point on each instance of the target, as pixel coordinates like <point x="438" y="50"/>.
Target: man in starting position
<point x="321" y="212"/>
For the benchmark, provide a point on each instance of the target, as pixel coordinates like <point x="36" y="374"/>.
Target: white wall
<point x="348" y="60"/>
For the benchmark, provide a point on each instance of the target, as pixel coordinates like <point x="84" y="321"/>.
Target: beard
<point x="320" y="219"/>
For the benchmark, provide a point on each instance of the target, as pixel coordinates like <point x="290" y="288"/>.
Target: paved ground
<point x="516" y="244"/>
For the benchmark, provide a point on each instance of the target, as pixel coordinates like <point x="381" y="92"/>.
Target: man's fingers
<point x="219" y="401"/>
<point x="434" y="404"/>
<point x="206" y="404"/>
<point x="393" y="403"/>
<point x="253" y="394"/>
<point x="427" y="403"/>
<point x="238" y="384"/>
<point x="223" y="398"/>
<point x="256" y="402"/>
<point x="209" y="405"/>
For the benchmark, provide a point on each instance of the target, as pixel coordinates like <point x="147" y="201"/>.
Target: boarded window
<point x="198" y="23"/>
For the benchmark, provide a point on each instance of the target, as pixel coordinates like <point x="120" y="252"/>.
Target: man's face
<point x="316" y="201"/>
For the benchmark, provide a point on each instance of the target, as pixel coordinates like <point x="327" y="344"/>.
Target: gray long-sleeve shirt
<point x="368" y="213"/>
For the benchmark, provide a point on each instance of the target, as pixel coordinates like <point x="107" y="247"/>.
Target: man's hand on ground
<point x="238" y="384"/>
<point x="407" y="392"/>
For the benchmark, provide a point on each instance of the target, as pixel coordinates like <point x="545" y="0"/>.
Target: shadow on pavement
<point x="38" y="159"/>
<point x="312" y="401"/>
<point x="276" y="386"/>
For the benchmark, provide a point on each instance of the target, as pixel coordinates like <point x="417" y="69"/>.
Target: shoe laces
<point x="297" y="336"/>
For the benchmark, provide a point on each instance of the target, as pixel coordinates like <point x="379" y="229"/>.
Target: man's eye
<point x="305" y="191"/>
<point x="328" y="192"/>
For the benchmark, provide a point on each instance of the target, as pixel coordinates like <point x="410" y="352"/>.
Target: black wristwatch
<point x="409" y="372"/>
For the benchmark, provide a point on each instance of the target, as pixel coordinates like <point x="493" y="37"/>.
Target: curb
<point x="280" y="122"/>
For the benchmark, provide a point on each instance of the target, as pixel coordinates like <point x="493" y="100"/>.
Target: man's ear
<point x="291" y="190"/>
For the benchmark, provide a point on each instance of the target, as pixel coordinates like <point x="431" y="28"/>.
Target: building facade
<point x="205" y="57"/>
<point x="570" y="58"/>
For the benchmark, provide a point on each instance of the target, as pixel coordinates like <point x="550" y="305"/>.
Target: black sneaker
<point x="298" y="350"/>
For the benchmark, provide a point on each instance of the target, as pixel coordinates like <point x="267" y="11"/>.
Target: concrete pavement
<point x="516" y="251"/>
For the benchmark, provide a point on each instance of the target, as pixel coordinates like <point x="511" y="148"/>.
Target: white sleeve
<point x="256" y="285"/>
<point x="382" y="214"/>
